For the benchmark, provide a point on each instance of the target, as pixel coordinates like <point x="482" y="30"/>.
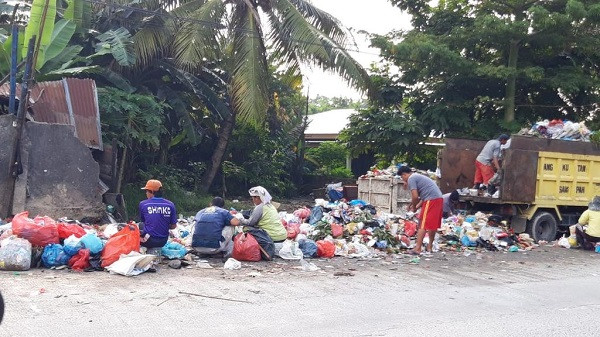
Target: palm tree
<point x="232" y="32"/>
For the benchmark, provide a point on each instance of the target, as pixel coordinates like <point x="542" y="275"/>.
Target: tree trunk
<point x="217" y="157"/>
<point x="121" y="174"/>
<point x="511" y="84"/>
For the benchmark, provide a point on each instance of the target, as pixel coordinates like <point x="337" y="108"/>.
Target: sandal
<point x="412" y="252"/>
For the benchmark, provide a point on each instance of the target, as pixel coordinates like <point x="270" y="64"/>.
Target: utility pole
<point x="15" y="159"/>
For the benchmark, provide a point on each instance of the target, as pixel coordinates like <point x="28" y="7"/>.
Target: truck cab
<point x="546" y="185"/>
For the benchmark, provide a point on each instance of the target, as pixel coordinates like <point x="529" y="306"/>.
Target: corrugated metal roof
<point x="71" y="101"/>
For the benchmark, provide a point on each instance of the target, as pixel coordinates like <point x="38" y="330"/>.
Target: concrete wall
<point x="60" y="178"/>
<point x="7" y="134"/>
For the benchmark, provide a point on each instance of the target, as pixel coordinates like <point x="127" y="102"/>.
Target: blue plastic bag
<point x="72" y="245"/>
<point x="308" y="247"/>
<point x="54" y="256"/>
<point x="316" y="214"/>
<point x="92" y="242"/>
<point x="173" y="250"/>
<point x="357" y="202"/>
<point x="467" y="242"/>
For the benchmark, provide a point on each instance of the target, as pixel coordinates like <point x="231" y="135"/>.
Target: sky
<point x="374" y="16"/>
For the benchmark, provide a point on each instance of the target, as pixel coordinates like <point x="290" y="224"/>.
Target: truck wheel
<point x="543" y="226"/>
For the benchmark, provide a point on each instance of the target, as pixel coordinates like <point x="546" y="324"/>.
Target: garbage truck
<point x="546" y="185"/>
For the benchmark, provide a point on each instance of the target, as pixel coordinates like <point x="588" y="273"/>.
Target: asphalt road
<point x="548" y="292"/>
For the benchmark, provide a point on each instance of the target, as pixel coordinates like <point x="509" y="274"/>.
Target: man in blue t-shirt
<point x="212" y="230"/>
<point x="157" y="214"/>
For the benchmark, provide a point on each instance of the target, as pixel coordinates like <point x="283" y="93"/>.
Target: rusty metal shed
<point x="70" y="101"/>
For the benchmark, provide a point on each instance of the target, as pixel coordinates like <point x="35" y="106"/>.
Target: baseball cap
<point x="152" y="185"/>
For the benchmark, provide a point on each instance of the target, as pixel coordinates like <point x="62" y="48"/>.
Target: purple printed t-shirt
<point x="158" y="215"/>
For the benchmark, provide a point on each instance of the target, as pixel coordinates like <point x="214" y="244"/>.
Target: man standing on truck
<point x="425" y="195"/>
<point x="484" y="171"/>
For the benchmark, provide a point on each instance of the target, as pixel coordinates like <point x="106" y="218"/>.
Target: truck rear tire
<point x="543" y="226"/>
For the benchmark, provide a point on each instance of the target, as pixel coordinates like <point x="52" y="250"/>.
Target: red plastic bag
<point x="410" y="228"/>
<point x="246" y="248"/>
<point x="336" y="230"/>
<point x="66" y="230"/>
<point x="81" y="260"/>
<point x="39" y="235"/>
<point x="325" y="249"/>
<point x="126" y="240"/>
<point x="293" y="229"/>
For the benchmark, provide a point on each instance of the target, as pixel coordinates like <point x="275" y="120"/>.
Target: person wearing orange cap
<point x="158" y="215"/>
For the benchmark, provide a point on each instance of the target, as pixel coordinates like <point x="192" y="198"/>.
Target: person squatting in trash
<point x="450" y="203"/>
<point x="426" y="196"/>
<point x="213" y="231"/>
<point x="587" y="238"/>
<point x="158" y="216"/>
<point x="264" y="215"/>
<point x="487" y="161"/>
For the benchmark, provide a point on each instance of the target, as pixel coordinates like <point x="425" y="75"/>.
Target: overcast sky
<point x="375" y="16"/>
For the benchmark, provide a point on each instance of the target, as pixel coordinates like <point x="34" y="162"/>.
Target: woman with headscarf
<point x="589" y="237"/>
<point x="264" y="215"/>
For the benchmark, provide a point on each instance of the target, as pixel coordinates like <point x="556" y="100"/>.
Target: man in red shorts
<point x="484" y="171"/>
<point x="426" y="195"/>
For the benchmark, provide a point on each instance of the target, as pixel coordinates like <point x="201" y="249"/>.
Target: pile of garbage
<point x="391" y="171"/>
<point x="354" y="229"/>
<point x="559" y="129"/>
<point x="27" y="243"/>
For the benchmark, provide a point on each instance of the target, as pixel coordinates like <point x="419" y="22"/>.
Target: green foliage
<point x="322" y="103"/>
<point x="118" y="42"/>
<point x="454" y="65"/>
<point x="331" y="159"/>
<point x="33" y="28"/>
<point x="131" y="118"/>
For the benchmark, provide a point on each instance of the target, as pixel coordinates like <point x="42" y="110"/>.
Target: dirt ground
<point x="355" y="297"/>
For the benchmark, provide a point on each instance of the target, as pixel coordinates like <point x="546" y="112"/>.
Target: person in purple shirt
<point x="157" y="214"/>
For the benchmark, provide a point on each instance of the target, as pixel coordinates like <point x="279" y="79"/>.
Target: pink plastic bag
<point x="410" y="228"/>
<point x="336" y="230"/>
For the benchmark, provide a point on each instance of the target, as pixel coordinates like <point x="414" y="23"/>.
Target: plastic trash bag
<point x="72" y="245"/>
<point x="336" y="230"/>
<point x="308" y="266"/>
<point x="110" y="230"/>
<point x="92" y="242"/>
<point x="127" y="240"/>
<point x="308" y="247"/>
<point x="302" y="213"/>
<point x="40" y="233"/>
<point x="65" y="230"/>
<point x="564" y="242"/>
<point x="15" y="254"/>
<point x="325" y="249"/>
<point x="410" y="228"/>
<point x="265" y="242"/>
<point x="81" y="260"/>
<point x="293" y="229"/>
<point x="173" y="250"/>
<point x="131" y="264"/>
<point x="232" y="264"/>
<point x="245" y="248"/>
<point x="290" y="251"/>
<point x="316" y="214"/>
<point x="54" y="256"/>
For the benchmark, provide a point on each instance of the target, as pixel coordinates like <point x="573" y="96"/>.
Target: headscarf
<point x="595" y="204"/>
<point x="259" y="191"/>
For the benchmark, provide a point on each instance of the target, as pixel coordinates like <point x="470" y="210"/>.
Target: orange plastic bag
<point x="336" y="230"/>
<point x="126" y="240"/>
<point x="246" y="248"/>
<point x="81" y="260"/>
<point x="39" y="234"/>
<point x="410" y="228"/>
<point x="325" y="249"/>
<point x="66" y="230"/>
